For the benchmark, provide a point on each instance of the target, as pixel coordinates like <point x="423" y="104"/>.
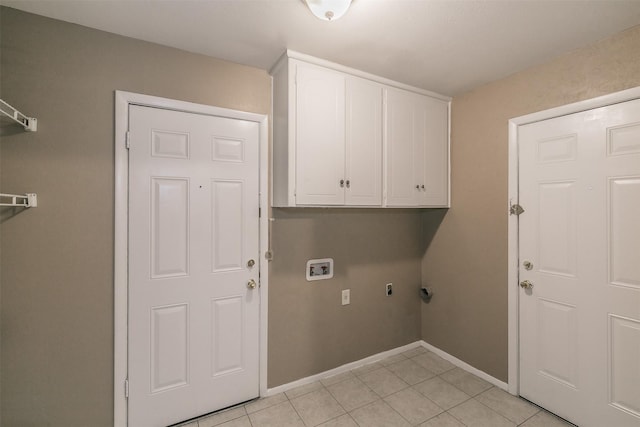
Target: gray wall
<point x="57" y="260"/>
<point x="309" y="330"/>
<point x="466" y="262"/>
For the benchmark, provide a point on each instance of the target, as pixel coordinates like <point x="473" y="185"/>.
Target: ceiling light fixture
<point x="328" y="10"/>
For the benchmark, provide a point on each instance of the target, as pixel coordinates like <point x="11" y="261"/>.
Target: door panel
<point x="400" y="137"/>
<point x="169" y="227"/>
<point x="434" y="171"/>
<point x="227" y="330"/>
<point x="624" y="227"/>
<point x="579" y="323"/>
<point x="320" y="125"/>
<point x="363" y="143"/>
<point x="226" y="225"/>
<point x="557" y="346"/>
<point x="557" y="228"/>
<point x="624" y="389"/>
<point x="169" y="347"/>
<point x="193" y="225"/>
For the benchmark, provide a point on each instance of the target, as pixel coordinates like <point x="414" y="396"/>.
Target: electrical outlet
<point x="389" y="289"/>
<point x="346" y="297"/>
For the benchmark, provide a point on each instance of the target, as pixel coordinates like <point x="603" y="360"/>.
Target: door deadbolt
<point x="525" y="284"/>
<point x="528" y="265"/>
<point x="251" y="263"/>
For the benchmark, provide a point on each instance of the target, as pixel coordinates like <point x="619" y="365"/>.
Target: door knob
<point x="252" y="284"/>
<point x="525" y="284"/>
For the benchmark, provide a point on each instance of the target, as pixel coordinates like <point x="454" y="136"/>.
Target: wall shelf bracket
<point x="29" y="123"/>
<point x="28" y="200"/>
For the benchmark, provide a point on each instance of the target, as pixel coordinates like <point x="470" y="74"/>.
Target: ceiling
<point x="447" y="46"/>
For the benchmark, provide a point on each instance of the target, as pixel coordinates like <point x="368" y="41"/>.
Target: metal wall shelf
<point x="29" y="123"/>
<point x="28" y="200"/>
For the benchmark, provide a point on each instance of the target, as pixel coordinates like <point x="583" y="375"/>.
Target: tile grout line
<point x="522" y="423"/>
<point x="493" y="410"/>
<point x="400" y="358"/>
<point x="371" y="390"/>
<point x="504" y="416"/>
<point x="398" y="391"/>
<point x="358" y="407"/>
<point x="248" y="417"/>
<point x="295" y="409"/>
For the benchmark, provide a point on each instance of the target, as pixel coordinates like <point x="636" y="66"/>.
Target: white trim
<point x="380" y="356"/>
<point x="122" y="102"/>
<point x="121" y="256"/>
<point x="463" y="365"/>
<point x="512" y="260"/>
<point x="448" y="155"/>
<point x="342" y="369"/>
<point x="265" y="246"/>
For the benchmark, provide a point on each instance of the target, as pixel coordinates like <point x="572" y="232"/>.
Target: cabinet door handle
<point x="342" y="183"/>
<point x="422" y="186"/>
<point x="418" y="186"/>
<point x="348" y="184"/>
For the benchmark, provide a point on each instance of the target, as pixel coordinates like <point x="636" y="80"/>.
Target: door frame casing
<point x="120" y="322"/>
<point x="513" y="197"/>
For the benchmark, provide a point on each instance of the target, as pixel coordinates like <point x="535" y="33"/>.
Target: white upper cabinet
<point x="330" y="125"/>
<point x="417" y="150"/>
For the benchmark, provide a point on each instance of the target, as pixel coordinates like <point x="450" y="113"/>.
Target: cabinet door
<point x="320" y="130"/>
<point x="433" y="156"/>
<point x="400" y="137"/>
<point x="363" y="169"/>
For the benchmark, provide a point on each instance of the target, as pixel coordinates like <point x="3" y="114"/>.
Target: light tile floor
<point x="415" y="388"/>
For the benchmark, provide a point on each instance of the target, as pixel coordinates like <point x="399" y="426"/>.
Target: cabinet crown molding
<point x="292" y="54"/>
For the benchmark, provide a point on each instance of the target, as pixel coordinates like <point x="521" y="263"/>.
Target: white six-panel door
<point x="193" y="229"/>
<point x="579" y="323"/>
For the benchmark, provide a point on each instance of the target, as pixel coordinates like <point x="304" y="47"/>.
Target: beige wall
<point x="57" y="260"/>
<point x="309" y="330"/>
<point x="466" y="262"/>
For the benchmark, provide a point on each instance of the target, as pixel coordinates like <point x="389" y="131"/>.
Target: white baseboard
<point x="376" y="357"/>
<point x="342" y="369"/>
<point x="463" y="365"/>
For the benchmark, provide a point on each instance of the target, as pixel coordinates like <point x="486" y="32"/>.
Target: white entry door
<point x="579" y="254"/>
<point x="193" y="252"/>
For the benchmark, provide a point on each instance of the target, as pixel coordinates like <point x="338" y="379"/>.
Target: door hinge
<point x="515" y="209"/>
<point x="127" y="140"/>
<point x="126" y="389"/>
